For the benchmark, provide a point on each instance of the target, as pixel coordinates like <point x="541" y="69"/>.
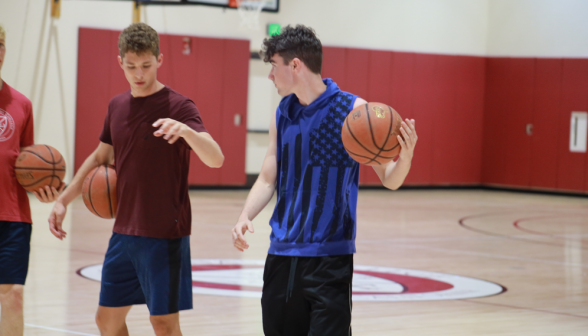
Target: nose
<point x="139" y="73"/>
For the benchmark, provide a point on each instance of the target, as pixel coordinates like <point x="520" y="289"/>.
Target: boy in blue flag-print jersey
<point x="309" y="267"/>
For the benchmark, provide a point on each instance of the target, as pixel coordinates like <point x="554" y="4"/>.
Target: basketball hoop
<point x="249" y="12"/>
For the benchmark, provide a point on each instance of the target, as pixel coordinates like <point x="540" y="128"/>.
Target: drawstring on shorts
<point x="291" y="278"/>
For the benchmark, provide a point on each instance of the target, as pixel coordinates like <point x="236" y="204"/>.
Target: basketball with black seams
<point x="38" y="166"/>
<point x="369" y="134"/>
<point x="99" y="191"/>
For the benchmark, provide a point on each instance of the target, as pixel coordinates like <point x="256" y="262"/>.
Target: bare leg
<point x="166" y="325"/>
<point x="11" y="319"/>
<point x="112" y="320"/>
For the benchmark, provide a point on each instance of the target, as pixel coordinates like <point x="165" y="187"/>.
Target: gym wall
<point x="44" y="66"/>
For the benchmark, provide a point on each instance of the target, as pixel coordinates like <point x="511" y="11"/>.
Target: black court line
<point x="462" y="223"/>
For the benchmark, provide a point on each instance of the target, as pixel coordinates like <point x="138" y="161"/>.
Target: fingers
<point x="170" y="129"/>
<point x="54" y="194"/>
<point x="239" y="244"/>
<point x="163" y="124"/>
<point x="55" y="228"/>
<point x="241" y="241"/>
<point x="412" y="127"/>
<point x="174" y="139"/>
<point x="56" y="219"/>
<point x="174" y="133"/>
<point x="235" y="241"/>
<point x="159" y="122"/>
<point x="48" y="194"/>
<point x="42" y="194"/>
<point x="238" y="238"/>
<point x="406" y="135"/>
<point x="401" y="142"/>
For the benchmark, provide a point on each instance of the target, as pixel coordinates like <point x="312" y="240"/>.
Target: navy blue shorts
<point x="15" y="247"/>
<point x="154" y="271"/>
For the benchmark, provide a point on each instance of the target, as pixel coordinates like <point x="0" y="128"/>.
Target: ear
<point x="296" y="64"/>
<point x="120" y="62"/>
<point x="159" y="60"/>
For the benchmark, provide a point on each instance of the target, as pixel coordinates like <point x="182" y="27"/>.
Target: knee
<point x="12" y="297"/>
<point x="163" y="326"/>
<point x="101" y="322"/>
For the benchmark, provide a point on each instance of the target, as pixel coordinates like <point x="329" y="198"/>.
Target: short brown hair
<point x="138" y="38"/>
<point x="2" y="32"/>
<point x="295" y="42"/>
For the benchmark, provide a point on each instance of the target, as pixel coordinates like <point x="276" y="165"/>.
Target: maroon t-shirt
<point x="152" y="175"/>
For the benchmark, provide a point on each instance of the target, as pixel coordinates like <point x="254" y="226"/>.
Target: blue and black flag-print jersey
<point x="317" y="181"/>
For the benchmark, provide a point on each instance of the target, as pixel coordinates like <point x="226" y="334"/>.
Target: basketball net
<point x="249" y="12"/>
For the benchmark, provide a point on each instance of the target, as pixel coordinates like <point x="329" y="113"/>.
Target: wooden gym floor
<point x="536" y="246"/>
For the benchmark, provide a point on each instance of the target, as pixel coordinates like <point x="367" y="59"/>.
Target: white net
<point x="249" y="12"/>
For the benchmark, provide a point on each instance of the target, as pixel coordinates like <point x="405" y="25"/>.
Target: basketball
<point x="369" y="134"/>
<point x="99" y="191"/>
<point x="38" y="166"/>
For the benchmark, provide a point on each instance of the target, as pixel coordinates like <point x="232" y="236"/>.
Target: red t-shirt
<point x="16" y="131"/>
<point x="152" y="175"/>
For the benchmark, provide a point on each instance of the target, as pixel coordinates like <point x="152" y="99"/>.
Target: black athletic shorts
<point x="307" y="296"/>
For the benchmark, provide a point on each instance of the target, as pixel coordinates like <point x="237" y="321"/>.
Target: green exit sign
<point x="273" y="29"/>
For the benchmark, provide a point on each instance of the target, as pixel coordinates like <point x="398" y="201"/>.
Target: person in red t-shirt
<point x="148" y="257"/>
<point x="16" y="132"/>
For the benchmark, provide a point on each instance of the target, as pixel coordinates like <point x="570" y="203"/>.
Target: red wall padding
<point x="214" y="76"/>
<point x="571" y="166"/>
<point x="471" y="112"/>
<point x="541" y="92"/>
<point x="444" y="94"/>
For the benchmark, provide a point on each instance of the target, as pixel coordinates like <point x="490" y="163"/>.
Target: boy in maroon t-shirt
<point x="148" y="257"/>
<point x="16" y="132"/>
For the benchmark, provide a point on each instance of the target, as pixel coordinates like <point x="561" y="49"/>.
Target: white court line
<point x="56" y="329"/>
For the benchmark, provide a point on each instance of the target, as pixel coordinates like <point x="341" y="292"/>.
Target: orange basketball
<point x="38" y="166"/>
<point x="99" y="191"/>
<point x="369" y="134"/>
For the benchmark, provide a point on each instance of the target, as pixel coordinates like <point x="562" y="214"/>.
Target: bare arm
<point x="392" y="174"/>
<point x="205" y="147"/>
<point x="104" y="154"/>
<point x="261" y="192"/>
<point x="201" y="143"/>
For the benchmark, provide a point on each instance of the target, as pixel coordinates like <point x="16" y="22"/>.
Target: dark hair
<point x="299" y="42"/>
<point x="138" y="38"/>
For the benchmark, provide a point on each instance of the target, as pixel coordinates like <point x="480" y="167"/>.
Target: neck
<point x="310" y="89"/>
<point x="147" y="91"/>
<point x="1" y="83"/>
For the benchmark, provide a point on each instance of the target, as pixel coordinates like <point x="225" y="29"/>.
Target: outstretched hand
<point x="171" y="129"/>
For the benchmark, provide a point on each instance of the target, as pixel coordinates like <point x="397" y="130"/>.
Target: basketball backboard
<point x="270" y="6"/>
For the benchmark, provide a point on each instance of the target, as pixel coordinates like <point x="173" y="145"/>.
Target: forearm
<point x="205" y="147"/>
<point x="74" y="188"/>
<point x="259" y="196"/>
<point x="396" y="173"/>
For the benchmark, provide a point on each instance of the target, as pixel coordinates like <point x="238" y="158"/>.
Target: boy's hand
<point x="171" y="129"/>
<point x="49" y="194"/>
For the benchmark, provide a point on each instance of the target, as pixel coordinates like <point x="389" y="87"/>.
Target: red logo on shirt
<point x="6" y="125"/>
